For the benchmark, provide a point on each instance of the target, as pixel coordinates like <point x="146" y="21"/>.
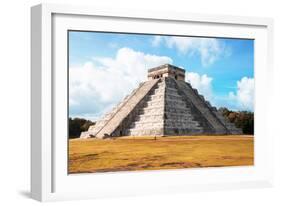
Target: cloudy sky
<point x="105" y="67"/>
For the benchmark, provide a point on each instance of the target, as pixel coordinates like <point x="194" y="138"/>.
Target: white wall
<point x="15" y="95"/>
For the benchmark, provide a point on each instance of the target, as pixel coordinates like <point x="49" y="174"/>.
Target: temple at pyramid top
<point x="166" y="70"/>
<point x="164" y="105"/>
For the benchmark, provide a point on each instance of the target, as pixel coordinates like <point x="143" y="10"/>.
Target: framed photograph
<point x="137" y="102"/>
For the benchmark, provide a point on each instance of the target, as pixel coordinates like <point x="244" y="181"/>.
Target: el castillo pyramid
<point x="163" y="105"/>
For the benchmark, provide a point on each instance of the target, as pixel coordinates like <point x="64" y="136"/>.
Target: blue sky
<point x="104" y="67"/>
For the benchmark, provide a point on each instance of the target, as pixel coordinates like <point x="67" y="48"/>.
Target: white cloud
<point x="202" y="83"/>
<point x="209" y="49"/>
<point x="244" y="96"/>
<point x="242" y="99"/>
<point x="97" y="86"/>
<point x="156" y="40"/>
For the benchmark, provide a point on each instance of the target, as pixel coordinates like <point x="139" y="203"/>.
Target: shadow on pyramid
<point x="165" y="105"/>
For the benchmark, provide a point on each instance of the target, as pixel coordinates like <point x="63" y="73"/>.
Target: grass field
<point x="145" y="153"/>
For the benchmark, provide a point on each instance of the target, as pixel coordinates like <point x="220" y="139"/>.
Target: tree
<point x="241" y="119"/>
<point x="78" y="125"/>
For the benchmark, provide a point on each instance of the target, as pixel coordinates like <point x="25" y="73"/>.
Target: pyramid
<point x="164" y="105"/>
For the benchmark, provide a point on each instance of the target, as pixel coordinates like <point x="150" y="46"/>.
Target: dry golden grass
<point x="145" y="153"/>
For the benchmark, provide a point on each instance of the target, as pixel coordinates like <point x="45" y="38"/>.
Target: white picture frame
<point x="49" y="178"/>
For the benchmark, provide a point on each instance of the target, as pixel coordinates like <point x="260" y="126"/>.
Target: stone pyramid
<point x="163" y="105"/>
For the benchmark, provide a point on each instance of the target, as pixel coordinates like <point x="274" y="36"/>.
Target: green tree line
<point x="78" y="125"/>
<point x="241" y="119"/>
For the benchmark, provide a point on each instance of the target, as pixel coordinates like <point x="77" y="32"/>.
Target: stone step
<point x="146" y="117"/>
<point x="187" y="119"/>
<point x="182" y="127"/>
<point x="153" y="110"/>
<point x="202" y="97"/>
<point x="146" y="125"/>
<point x="158" y="91"/>
<point x="171" y="89"/>
<point x="178" y="115"/>
<point x="155" y="97"/>
<point x="148" y="132"/>
<point x="175" y="103"/>
<point x="153" y="103"/>
<point x="187" y="124"/>
<point x="175" y="96"/>
<point x="177" y="110"/>
<point x="177" y="131"/>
